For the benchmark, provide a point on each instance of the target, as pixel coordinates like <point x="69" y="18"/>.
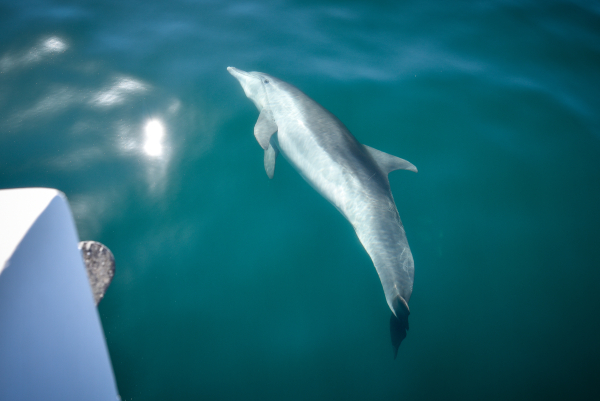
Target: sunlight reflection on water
<point x="154" y="132"/>
<point x="45" y="48"/>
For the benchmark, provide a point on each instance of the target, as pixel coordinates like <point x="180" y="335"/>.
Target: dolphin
<point x="350" y="175"/>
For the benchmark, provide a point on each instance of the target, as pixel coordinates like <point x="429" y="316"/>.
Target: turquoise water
<point x="233" y="286"/>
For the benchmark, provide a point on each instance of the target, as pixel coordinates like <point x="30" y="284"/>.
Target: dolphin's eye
<point x="266" y="81"/>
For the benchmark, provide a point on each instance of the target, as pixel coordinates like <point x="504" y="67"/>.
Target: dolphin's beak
<point x="240" y="75"/>
<point x="245" y="80"/>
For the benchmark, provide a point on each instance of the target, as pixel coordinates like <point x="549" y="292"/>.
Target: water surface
<point x="233" y="286"/>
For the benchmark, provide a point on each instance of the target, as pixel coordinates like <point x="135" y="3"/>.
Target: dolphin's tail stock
<point x="399" y="323"/>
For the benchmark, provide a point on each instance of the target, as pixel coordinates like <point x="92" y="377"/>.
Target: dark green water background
<point x="232" y="286"/>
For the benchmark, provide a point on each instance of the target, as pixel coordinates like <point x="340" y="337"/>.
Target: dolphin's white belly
<point x="319" y="169"/>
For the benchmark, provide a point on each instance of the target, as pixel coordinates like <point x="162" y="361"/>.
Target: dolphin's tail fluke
<point x="399" y="323"/>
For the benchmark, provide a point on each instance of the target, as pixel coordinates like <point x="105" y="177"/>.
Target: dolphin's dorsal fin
<point x="265" y="127"/>
<point x="388" y="163"/>
<point x="270" y="157"/>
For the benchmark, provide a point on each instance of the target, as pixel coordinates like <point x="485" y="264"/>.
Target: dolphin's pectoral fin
<point x="270" y="157"/>
<point x="265" y="127"/>
<point x="388" y="163"/>
<point x="398" y="323"/>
